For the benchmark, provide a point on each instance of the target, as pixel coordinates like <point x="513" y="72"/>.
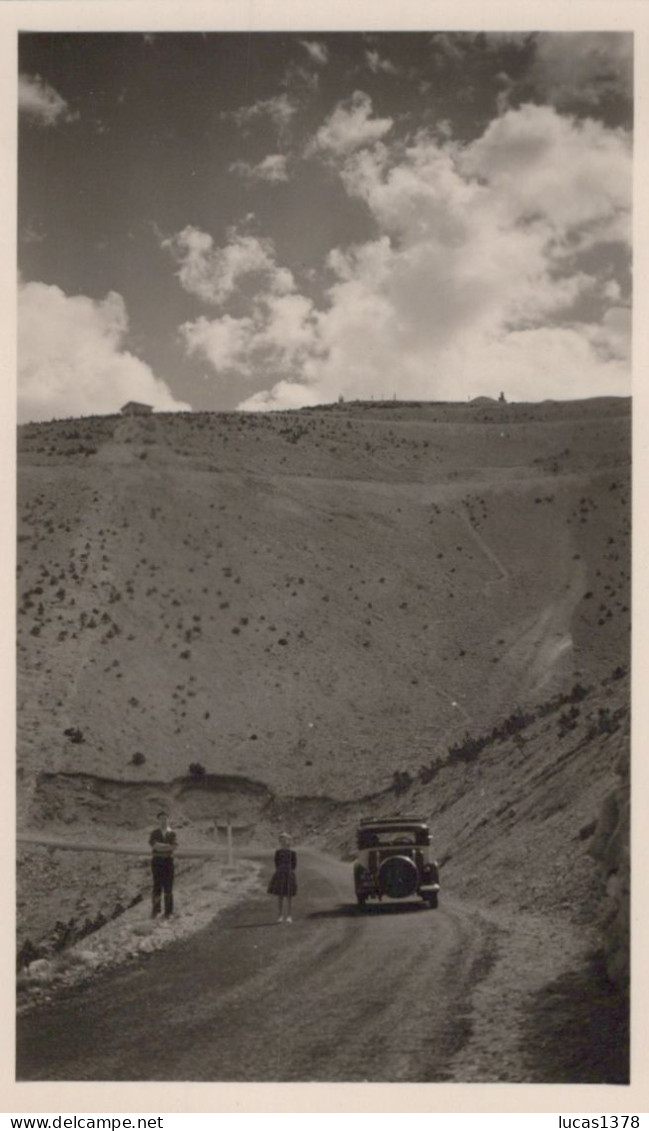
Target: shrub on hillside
<point x="401" y="781"/>
<point x="516" y="722"/>
<point x="428" y="773"/>
<point x="74" y="734"/>
<point x="567" y="722"/>
<point x="468" y="749"/>
<point x="607" y="722"/>
<point x="138" y="758"/>
<point x="575" y="695"/>
<point x="196" y="770"/>
<point x="27" y="953"/>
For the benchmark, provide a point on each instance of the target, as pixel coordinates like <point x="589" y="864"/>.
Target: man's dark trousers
<point x="163" y="881"/>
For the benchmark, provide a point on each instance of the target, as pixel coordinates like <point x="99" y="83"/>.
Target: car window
<point x="388" y="838"/>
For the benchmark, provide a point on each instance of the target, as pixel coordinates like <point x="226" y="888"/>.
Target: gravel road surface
<point x="338" y="995"/>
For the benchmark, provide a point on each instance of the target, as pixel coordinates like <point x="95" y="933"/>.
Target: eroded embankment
<point x="203" y="804"/>
<point x="84" y="857"/>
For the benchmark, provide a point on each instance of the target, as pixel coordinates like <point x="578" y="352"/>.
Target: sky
<point x="220" y="221"/>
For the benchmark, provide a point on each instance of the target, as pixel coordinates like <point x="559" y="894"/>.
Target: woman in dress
<point x="283" y="883"/>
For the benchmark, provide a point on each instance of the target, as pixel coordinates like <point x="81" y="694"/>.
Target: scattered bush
<point x="427" y="773"/>
<point x="469" y="748"/>
<point x="607" y="722"/>
<point x="401" y="781"/>
<point x="567" y="722"/>
<point x="27" y="953"/>
<point x="196" y="770"/>
<point x="575" y="695"/>
<point x="74" y="734"/>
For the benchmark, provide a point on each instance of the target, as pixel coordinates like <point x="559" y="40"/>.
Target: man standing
<point x="163" y="844"/>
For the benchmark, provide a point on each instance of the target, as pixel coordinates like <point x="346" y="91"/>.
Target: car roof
<point x="386" y="822"/>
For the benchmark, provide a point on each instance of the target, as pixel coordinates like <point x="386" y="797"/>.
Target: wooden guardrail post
<point x="230" y="843"/>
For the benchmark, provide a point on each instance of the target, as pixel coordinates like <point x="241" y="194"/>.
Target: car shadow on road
<point x="341" y="911"/>
<point x="352" y="911"/>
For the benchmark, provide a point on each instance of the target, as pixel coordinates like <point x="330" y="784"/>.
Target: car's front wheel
<point x="431" y="899"/>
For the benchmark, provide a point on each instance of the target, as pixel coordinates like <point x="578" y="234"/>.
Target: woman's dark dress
<point x="283" y="880"/>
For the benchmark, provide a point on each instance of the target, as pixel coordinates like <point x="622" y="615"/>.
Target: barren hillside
<point x="368" y="606"/>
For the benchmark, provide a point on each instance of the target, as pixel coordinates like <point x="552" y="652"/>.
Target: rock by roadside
<point x="542" y="1012"/>
<point x="207" y="890"/>
<point x="611" y="849"/>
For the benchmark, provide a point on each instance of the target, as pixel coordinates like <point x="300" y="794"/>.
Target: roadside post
<point x="228" y="825"/>
<point x="230" y="844"/>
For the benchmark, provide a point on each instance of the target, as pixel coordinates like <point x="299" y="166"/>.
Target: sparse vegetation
<point x="74" y="734"/>
<point x="268" y="585"/>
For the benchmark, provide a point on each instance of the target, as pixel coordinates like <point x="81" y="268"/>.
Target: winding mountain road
<point x="338" y="995"/>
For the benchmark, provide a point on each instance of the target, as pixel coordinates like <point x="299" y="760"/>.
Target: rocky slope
<point x="340" y="610"/>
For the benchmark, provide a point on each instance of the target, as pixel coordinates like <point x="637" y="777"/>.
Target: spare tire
<point x="398" y="877"/>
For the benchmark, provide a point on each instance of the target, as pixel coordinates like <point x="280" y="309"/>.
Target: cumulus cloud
<point x="283" y="395"/>
<point x="272" y="169"/>
<point x="213" y="273"/>
<point x="41" y="103"/>
<point x="350" y="127"/>
<point x="583" y="67"/>
<point x="72" y="360"/>
<point x="612" y="338"/>
<point x="32" y="233"/>
<point x="538" y="162"/>
<point x="280" y="110"/>
<point x="279" y="328"/>
<point x="475" y="280"/>
<point x="539" y="363"/>
<point x="279" y="335"/>
<point x="317" y="52"/>
<point x="450" y="46"/>
<point x="456" y="47"/>
<point x="378" y="64"/>
<point x="225" y="342"/>
<point x="301" y="81"/>
<point x="563" y="69"/>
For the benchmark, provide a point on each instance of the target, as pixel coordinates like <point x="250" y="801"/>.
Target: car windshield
<point x="387" y="837"/>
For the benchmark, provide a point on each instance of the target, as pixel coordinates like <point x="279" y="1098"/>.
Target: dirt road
<point x="339" y="995"/>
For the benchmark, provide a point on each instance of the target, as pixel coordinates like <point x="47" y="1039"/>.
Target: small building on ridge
<point x="136" y="408"/>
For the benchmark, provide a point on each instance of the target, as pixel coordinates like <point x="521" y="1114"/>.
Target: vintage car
<point x="394" y="861"/>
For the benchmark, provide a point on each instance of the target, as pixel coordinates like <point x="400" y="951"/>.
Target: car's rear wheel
<point x="398" y="877"/>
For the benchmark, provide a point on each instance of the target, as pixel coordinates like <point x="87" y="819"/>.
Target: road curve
<point x="339" y="995"/>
